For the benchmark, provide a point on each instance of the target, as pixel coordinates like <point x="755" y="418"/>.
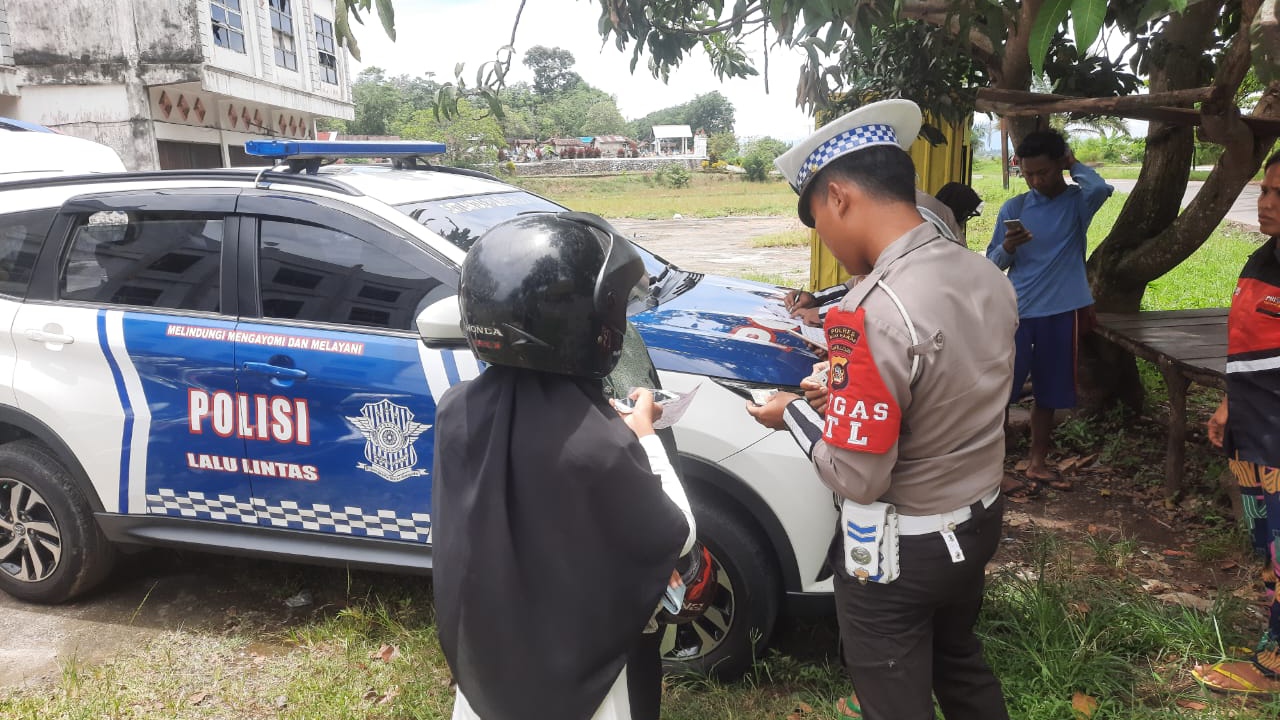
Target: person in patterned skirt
<point x="1245" y="426"/>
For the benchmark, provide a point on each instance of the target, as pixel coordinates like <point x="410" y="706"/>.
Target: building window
<point x="228" y="24"/>
<point x="282" y="32"/>
<point x="328" y="50"/>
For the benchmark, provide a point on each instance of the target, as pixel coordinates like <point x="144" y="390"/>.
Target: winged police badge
<point x="389" y="431"/>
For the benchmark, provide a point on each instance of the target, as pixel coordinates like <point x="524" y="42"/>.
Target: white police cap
<point x="887" y="122"/>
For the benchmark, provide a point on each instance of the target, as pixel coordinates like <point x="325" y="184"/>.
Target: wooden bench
<point x="1187" y="346"/>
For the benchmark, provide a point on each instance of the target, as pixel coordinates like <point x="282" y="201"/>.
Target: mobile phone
<point x="673" y="599"/>
<point x="1013" y="224"/>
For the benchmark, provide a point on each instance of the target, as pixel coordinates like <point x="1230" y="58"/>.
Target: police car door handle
<point x="49" y="338"/>
<point x="276" y="370"/>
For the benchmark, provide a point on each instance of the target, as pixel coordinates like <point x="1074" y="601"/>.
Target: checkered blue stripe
<point x="288" y="514"/>
<point x="843" y="144"/>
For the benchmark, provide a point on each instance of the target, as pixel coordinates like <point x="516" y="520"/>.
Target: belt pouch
<point x="870" y="541"/>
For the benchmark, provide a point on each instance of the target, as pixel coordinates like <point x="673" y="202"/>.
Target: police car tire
<point x="87" y="556"/>
<point x="757" y="587"/>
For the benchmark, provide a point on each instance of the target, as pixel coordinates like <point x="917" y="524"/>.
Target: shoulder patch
<point x="862" y="415"/>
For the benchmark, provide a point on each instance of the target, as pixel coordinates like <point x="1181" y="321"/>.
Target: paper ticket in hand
<point x="815" y="335"/>
<point x="673" y="405"/>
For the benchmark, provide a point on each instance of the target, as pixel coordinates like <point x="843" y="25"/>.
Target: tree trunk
<point x="1148" y="233"/>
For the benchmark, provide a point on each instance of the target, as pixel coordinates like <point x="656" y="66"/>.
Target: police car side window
<point x="318" y="274"/>
<point x="156" y="260"/>
<point x="21" y="235"/>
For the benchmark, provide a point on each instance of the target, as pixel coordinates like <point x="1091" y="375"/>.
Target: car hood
<point x="721" y="327"/>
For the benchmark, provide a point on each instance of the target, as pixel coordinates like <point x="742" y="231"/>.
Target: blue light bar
<point x="325" y="149"/>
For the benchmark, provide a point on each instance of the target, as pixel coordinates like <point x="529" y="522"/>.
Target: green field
<point x="639" y="196"/>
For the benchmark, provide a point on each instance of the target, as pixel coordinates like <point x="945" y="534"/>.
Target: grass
<point x="1063" y="616"/>
<point x="639" y="196"/>
<point x="789" y="238"/>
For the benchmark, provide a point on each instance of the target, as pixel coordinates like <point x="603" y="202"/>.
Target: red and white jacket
<point x="1253" y="360"/>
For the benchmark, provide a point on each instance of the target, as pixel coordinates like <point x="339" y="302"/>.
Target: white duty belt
<point x="942" y="522"/>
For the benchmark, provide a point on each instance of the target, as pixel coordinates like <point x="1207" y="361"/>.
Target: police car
<point x="234" y="360"/>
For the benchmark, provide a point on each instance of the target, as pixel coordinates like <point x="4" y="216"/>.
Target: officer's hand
<point x="810" y="316"/>
<point x="1218" y="425"/>
<point x="798" y="300"/>
<point x="643" y="413"/>
<point x="815" y="393"/>
<point x="1016" y="238"/>
<point x="770" y="414"/>
<point x="1068" y="160"/>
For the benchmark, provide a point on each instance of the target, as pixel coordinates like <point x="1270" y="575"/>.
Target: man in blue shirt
<point x="1040" y="239"/>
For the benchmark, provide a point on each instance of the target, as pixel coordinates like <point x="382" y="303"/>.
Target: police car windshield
<point x="462" y="220"/>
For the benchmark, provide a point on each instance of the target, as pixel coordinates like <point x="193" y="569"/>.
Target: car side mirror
<point x="440" y="323"/>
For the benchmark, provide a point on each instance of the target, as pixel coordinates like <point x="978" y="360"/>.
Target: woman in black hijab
<point x="556" y="523"/>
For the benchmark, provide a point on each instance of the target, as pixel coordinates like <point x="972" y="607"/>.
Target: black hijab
<point x="552" y="542"/>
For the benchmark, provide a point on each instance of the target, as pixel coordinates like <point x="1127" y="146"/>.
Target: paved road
<point x="1244" y="211"/>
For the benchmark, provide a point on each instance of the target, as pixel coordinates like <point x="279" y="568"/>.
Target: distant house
<point x="559" y="144"/>
<point x="615" y="146"/>
<point x="568" y="147"/>
<point x="672" y="139"/>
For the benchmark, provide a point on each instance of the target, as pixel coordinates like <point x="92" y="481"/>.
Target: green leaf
<point x="387" y="14"/>
<point x="1051" y="15"/>
<point x="342" y="30"/>
<point x="1086" y="19"/>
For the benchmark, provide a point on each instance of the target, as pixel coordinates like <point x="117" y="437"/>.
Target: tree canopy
<point x="710" y="112"/>
<point x="552" y="69"/>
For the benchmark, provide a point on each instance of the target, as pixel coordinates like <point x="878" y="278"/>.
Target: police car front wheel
<point x="50" y="546"/>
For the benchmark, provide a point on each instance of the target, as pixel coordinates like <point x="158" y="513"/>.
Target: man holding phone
<point x="1040" y="239"/>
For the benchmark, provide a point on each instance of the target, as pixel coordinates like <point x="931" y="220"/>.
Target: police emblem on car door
<point x="389" y="432"/>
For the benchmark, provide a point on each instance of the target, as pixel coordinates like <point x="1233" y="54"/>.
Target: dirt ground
<point x="163" y="590"/>
<point x="722" y="246"/>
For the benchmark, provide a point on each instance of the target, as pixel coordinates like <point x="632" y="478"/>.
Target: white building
<point x="173" y="83"/>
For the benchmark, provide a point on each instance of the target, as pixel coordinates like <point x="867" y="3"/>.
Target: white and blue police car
<point x="232" y="360"/>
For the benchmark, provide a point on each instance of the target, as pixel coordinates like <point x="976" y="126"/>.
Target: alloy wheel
<point x="30" y="543"/>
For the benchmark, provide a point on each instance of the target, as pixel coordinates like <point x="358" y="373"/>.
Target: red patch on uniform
<point x="1269" y="305"/>
<point x="862" y="415"/>
<point x="1246" y="331"/>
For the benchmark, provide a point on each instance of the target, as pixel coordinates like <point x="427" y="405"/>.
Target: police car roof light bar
<point x="308" y="155"/>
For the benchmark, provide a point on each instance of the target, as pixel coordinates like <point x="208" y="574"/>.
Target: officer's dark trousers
<point x="904" y="642"/>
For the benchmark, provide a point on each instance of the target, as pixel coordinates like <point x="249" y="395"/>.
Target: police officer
<point x="908" y="426"/>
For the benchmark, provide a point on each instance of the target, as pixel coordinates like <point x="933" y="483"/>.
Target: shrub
<point x="757" y="166"/>
<point x="674" y="175"/>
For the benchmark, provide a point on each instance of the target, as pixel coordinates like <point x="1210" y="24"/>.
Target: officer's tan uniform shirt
<point x="944" y="449"/>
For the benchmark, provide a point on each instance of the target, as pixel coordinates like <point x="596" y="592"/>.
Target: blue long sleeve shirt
<point x="1048" y="271"/>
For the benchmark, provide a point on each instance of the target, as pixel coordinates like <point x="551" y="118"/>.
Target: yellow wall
<point x="936" y="167"/>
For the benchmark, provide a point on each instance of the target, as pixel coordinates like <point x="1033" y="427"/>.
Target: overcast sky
<point x="436" y="34"/>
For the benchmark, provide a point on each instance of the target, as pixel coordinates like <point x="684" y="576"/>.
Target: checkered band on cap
<point x="843" y="144"/>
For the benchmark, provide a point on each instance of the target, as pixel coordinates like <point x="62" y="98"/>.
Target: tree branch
<point x="1028" y="104"/>
<point x="981" y="44"/>
<point x="734" y="22"/>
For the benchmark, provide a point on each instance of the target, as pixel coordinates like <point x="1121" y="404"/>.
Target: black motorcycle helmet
<point x="549" y="292"/>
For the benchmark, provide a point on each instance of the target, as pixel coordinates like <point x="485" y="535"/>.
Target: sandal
<point x="848" y="707"/>
<point x="1240" y="677"/>
<point x="1054" y="480"/>
<point x="1020" y="488"/>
